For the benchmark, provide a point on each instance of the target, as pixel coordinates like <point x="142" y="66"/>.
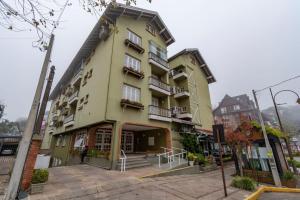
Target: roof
<point x="196" y="53"/>
<point x="245" y="103"/>
<point x="112" y="12"/>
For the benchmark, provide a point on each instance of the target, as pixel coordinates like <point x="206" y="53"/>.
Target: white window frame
<point x="103" y="145"/>
<point x="132" y="62"/>
<point x="134" y="38"/>
<point x="223" y="110"/>
<point x="131" y="93"/>
<point x="236" y="107"/>
<point x="158" y="50"/>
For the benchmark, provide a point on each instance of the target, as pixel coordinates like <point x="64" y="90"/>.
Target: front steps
<point x="135" y="161"/>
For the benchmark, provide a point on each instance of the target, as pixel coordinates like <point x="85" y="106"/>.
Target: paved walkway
<point x="86" y="182"/>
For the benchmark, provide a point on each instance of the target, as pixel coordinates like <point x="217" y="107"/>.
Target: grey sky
<point x="247" y="44"/>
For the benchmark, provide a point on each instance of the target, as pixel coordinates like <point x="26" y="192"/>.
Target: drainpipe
<point x="107" y="97"/>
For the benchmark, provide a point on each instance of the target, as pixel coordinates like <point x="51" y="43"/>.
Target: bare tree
<point x="43" y="16"/>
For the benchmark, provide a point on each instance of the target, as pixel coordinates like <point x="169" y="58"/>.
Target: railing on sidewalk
<point x="170" y="155"/>
<point x="123" y="161"/>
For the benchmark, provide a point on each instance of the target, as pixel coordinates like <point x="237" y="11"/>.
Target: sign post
<point x="218" y="130"/>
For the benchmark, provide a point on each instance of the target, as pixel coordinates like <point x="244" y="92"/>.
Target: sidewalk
<point x="86" y="182"/>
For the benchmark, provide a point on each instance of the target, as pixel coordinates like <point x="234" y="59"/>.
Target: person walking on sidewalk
<point x="84" y="153"/>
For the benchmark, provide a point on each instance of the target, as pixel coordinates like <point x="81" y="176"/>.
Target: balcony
<point x="131" y="104"/>
<point x="161" y="65"/>
<point x="179" y="74"/>
<point x="134" y="46"/>
<point x="158" y="87"/>
<point x="73" y="98"/>
<point x="181" y="93"/>
<point x="161" y="114"/>
<point x="69" y="120"/>
<point x="131" y="71"/>
<point x="77" y="78"/>
<point x="181" y="113"/>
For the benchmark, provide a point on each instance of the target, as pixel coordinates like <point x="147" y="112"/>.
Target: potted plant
<point x="289" y="180"/>
<point x="39" y="178"/>
<point x="191" y="158"/>
<point x="200" y="159"/>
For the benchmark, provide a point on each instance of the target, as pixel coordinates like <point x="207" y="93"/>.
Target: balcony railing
<point x="73" y="97"/>
<point x="163" y="112"/>
<point x="158" y="83"/>
<point x="158" y="59"/>
<point x="77" y="77"/>
<point x="68" y="119"/>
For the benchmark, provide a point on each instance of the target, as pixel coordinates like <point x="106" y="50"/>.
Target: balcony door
<point x="127" y="141"/>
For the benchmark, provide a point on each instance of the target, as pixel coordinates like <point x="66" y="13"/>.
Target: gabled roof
<point x="112" y="12"/>
<point x="195" y="52"/>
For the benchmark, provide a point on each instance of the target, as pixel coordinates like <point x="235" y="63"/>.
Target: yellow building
<point x="121" y="92"/>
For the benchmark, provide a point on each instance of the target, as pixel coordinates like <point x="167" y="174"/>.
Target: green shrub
<point x="297" y="163"/>
<point x="288" y="175"/>
<point x="40" y="176"/>
<point x="191" y="156"/>
<point x="245" y="183"/>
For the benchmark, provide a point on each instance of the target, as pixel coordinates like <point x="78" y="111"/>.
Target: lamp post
<point x="286" y="139"/>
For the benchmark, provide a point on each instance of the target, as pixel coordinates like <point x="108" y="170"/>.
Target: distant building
<point x="231" y="109"/>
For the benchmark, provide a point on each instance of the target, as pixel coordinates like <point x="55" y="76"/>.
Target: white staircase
<point x="131" y="162"/>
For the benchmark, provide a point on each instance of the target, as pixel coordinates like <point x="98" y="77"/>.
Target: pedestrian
<point x="84" y="153"/>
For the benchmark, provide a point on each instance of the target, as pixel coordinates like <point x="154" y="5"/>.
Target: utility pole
<point x="39" y="121"/>
<point x="268" y="146"/>
<point x="27" y="135"/>
<point x="286" y="138"/>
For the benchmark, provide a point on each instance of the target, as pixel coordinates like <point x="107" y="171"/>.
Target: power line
<point x="278" y="83"/>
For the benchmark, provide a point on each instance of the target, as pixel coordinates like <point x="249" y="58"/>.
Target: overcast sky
<point x="247" y="44"/>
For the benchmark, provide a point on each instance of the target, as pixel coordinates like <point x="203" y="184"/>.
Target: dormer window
<point x="223" y="110"/>
<point x="150" y="29"/>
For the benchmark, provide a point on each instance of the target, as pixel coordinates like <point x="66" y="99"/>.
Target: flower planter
<point x="289" y="183"/>
<point x="37" y="188"/>
<point x="133" y="72"/>
<point x="191" y="163"/>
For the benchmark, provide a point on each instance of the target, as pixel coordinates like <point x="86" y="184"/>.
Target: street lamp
<point x="280" y="124"/>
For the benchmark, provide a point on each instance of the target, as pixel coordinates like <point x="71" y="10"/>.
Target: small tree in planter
<point x="39" y="178"/>
<point x="191" y="158"/>
<point x="289" y="179"/>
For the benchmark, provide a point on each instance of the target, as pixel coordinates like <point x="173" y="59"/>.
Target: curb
<point x="263" y="189"/>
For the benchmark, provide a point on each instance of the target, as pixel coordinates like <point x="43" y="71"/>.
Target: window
<point x="155" y="101"/>
<point x="151" y="141"/>
<point x="134" y="38"/>
<point x="133" y="63"/>
<point x="90" y="73"/>
<point x="236" y="107"/>
<point x="103" y="139"/>
<point x="131" y="93"/>
<point x="223" y="110"/>
<point x="86" y="99"/>
<point x="64" y="140"/>
<point x="80" y="140"/>
<point x="58" y="141"/>
<point x="150" y="29"/>
<point x="193" y="60"/>
<point x="157" y="50"/>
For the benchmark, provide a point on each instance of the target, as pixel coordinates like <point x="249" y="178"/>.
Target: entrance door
<point x="127" y="141"/>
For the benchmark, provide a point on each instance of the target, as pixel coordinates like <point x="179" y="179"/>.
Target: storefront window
<point x="103" y="140"/>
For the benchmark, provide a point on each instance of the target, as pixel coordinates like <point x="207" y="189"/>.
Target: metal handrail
<point x="123" y="161"/>
<point x="69" y="118"/>
<point x="169" y="153"/>
<point x="155" y="110"/>
<point x="158" y="59"/>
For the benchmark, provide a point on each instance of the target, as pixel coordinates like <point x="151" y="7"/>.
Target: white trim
<point x="151" y="61"/>
<point x="160" y="118"/>
<point x="184" y="115"/>
<point x="184" y="74"/>
<point x="182" y="94"/>
<point x="153" y="87"/>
